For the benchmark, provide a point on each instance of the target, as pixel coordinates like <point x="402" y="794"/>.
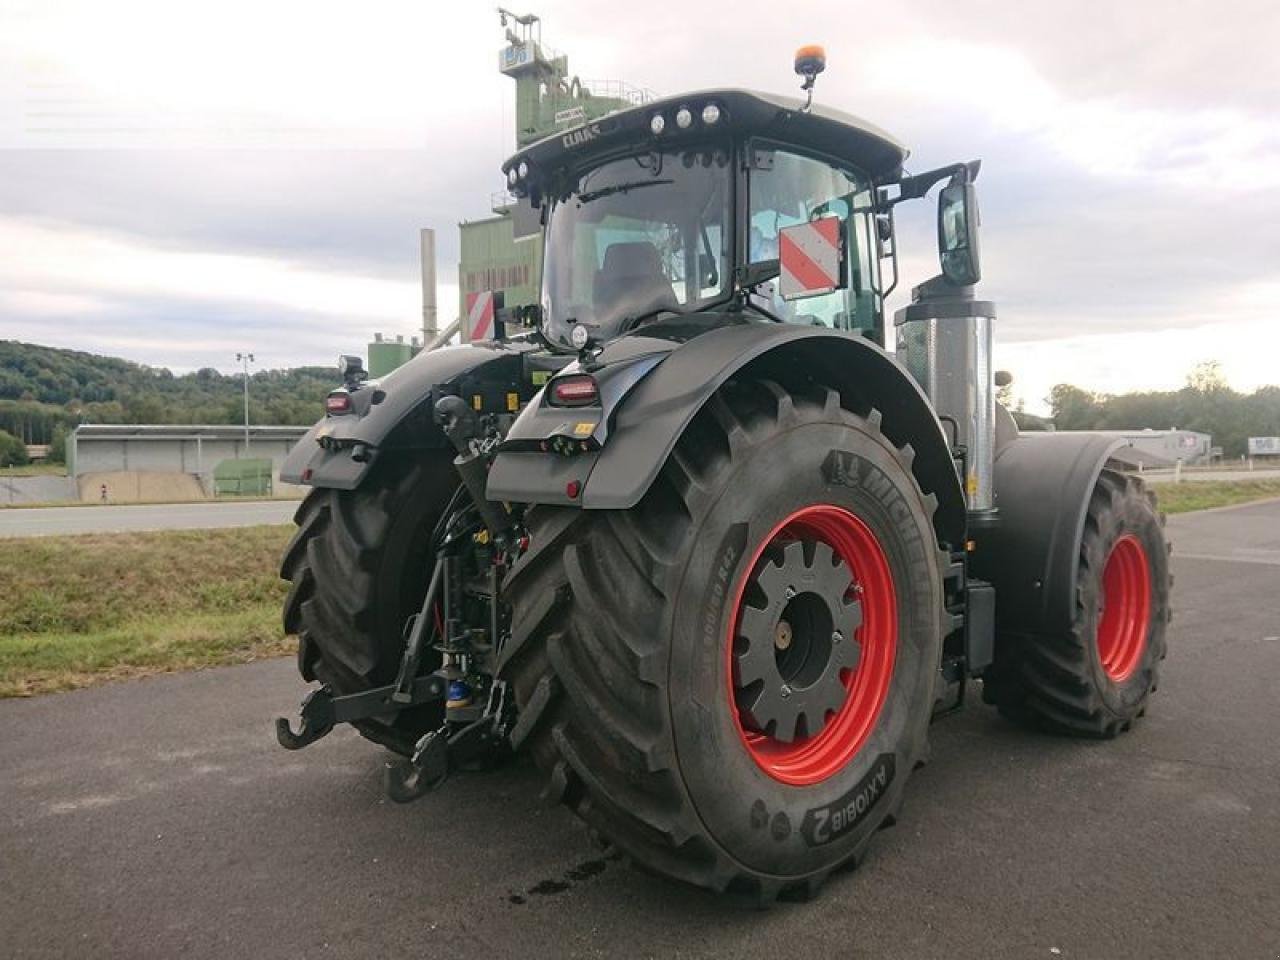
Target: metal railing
<point x="620" y="90"/>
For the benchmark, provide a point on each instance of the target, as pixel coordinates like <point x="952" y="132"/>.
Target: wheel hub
<point x="795" y="643"/>
<point x="1125" y="615"/>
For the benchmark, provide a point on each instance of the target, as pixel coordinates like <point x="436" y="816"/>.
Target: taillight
<point x="337" y="402"/>
<point x="575" y="390"/>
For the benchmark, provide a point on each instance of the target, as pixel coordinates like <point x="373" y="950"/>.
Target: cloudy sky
<point x="181" y="180"/>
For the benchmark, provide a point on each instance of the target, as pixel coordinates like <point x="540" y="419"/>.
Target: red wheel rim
<point x="1126" y="608"/>
<point x="813" y="758"/>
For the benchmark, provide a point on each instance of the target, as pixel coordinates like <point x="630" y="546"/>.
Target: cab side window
<point x="787" y="188"/>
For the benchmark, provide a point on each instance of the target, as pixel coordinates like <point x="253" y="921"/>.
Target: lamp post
<point x="244" y="359"/>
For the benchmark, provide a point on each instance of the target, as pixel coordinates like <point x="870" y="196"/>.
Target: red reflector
<point x="571" y="489"/>
<point x="573" y="391"/>
<point x="337" y="403"/>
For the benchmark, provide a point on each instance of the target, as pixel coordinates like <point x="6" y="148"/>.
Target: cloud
<point x="71" y="286"/>
<point x="184" y="179"/>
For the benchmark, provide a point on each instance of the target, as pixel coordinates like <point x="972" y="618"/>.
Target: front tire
<point x="648" y="663"/>
<point x="1094" y="679"/>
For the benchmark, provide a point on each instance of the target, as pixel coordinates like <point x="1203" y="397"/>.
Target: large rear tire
<point x="1095" y="679"/>
<point x="359" y="565"/>
<point x="648" y="658"/>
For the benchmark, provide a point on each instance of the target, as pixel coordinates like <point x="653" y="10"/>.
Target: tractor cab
<point x="712" y="202"/>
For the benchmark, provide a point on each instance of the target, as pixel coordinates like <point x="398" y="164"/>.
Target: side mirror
<point x="958" y="233"/>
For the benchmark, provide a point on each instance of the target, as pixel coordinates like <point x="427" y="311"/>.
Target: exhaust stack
<point x="429" y="322"/>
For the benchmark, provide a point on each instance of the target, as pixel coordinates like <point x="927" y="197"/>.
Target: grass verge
<point x="45" y="663"/>
<point x="1185" y="497"/>
<point x="35" y="470"/>
<point x="80" y="610"/>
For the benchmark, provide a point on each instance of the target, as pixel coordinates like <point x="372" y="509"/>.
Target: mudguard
<point x="1030" y="550"/>
<point x="395" y="412"/>
<point x="645" y="425"/>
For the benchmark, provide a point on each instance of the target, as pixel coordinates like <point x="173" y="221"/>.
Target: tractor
<point x="694" y="532"/>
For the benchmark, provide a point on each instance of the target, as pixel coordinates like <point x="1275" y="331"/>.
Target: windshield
<point x="636" y="237"/>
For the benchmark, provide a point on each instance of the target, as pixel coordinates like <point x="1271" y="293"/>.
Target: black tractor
<point x="690" y="534"/>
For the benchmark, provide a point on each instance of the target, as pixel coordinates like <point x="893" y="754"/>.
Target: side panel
<point x="1030" y="553"/>
<point x="395" y="413"/>
<point x="654" y="415"/>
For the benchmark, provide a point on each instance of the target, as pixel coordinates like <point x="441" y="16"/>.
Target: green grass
<point x="1185" y="497"/>
<point x="42" y="504"/>
<point x="80" y="610"/>
<point x="35" y="470"/>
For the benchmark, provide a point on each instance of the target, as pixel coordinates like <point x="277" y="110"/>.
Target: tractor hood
<point x="545" y="166"/>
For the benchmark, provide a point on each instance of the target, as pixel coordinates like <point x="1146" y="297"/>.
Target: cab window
<point x="787" y="188"/>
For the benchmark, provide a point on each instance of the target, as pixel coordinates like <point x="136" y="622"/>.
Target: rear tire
<point x="623" y="648"/>
<point x="1095" y="679"/>
<point x="359" y="564"/>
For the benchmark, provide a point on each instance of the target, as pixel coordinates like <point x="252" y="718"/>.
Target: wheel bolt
<point x="836" y="636"/>
<point x="785" y="691"/>
<point x="791" y="592"/>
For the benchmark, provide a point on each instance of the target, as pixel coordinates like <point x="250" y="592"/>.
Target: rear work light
<point x="577" y="390"/>
<point x="339" y="402"/>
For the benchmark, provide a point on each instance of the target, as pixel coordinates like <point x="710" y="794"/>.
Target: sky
<point x="180" y="182"/>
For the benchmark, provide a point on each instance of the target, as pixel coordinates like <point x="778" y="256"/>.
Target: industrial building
<point x="195" y="451"/>
<point x="1162" y="448"/>
<point x="495" y="262"/>
<point x="385" y="354"/>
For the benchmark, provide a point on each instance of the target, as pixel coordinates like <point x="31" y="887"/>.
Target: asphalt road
<point x="51" y="521"/>
<point x="158" y="819"/>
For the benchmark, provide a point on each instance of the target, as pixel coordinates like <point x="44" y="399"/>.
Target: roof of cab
<point x="822" y="128"/>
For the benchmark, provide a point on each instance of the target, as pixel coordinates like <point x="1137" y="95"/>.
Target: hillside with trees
<point x="45" y="391"/>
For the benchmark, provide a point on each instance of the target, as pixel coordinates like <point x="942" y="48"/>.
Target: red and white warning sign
<point x="809" y="257"/>
<point x="480" y="315"/>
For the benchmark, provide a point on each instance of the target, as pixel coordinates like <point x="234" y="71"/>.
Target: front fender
<point x="1030" y="552"/>
<point x="398" y="412"/>
<point x="651" y="418"/>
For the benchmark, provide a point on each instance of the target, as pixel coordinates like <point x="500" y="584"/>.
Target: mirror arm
<point x="915" y="187"/>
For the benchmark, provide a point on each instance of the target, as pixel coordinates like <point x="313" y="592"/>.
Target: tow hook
<point x="322" y="710"/>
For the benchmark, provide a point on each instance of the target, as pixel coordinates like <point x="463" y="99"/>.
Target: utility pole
<point x="244" y="359"/>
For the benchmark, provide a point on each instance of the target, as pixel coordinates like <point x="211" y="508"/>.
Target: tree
<point x="1073" y="408"/>
<point x="58" y="444"/>
<point x="13" y="452"/>
<point x="1207" y="377"/>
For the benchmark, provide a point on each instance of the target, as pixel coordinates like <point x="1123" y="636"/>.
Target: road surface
<point x="51" y="521"/>
<point x="157" y="818"/>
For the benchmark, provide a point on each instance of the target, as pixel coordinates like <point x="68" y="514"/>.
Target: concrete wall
<point x="37" y="489"/>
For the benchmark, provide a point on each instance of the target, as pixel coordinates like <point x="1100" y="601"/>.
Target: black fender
<point x="395" y="412"/>
<point x="1029" y="550"/>
<point x="648" y="421"/>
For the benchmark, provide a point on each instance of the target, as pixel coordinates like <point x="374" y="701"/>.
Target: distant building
<point x="1264" y="446"/>
<point x="1161" y="448"/>
<point x="176" y="448"/>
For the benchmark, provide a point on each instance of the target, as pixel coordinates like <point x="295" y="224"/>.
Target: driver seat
<point x="629" y="282"/>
